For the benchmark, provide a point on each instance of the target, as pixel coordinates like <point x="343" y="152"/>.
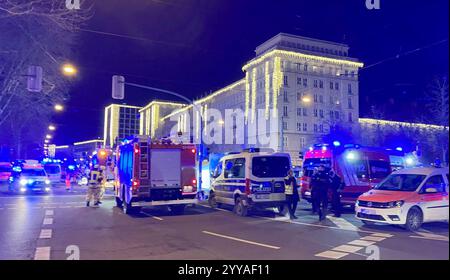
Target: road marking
<point x="379" y="234"/>
<point x="347" y="248"/>
<point x="65" y="206"/>
<point x="331" y="255"/>
<point x="49" y="207"/>
<point x="373" y="238"/>
<point x="342" y="223"/>
<point x="430" y="236"/>
<point x="151" y="216"/>
<point x="49" y="212"/>
<point x="42" y="254"/>
<point x="358" y="242"/>
<point x="45" y="234"/>
<point x="241" y="240"/>
<point x="48" y="221"/>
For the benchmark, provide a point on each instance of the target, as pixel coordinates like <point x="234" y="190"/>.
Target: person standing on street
<point x="336" y="187"/>
<point x="320" y="184"/>
<point x="93" y="187"/>
<point x="291" y="192"/>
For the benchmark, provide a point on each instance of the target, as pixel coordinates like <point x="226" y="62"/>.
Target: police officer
<point x="291" y="192"/>
<point x="93" y="187"/>
<point x="320" y="183"/>
<point x="336" y="187"/>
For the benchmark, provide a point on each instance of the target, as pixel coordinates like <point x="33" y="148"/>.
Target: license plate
<point x="367" y="211"/>
<point x="262" y="196"/>
<point x="36" y="189"/>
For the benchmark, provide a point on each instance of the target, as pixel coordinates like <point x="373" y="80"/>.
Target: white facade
<point x="306" y="86"/>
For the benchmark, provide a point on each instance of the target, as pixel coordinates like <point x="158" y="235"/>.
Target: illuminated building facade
<point x="120" y="121"/>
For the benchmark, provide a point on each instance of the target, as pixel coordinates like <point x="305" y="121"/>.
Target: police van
<point x="250" y="179"/>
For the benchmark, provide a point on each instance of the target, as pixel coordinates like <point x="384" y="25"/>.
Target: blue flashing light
<point x="409" y="161"/>
<point x="336" y="143"/>
<point x="71" y="167"/>
<point x="17" y="169"/>
<point x="311" y="149"/>
<point x="351" y="156"/>
<point x="400" y="149"/>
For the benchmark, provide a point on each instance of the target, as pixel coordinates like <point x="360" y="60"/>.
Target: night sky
<point x="197" y="46"/>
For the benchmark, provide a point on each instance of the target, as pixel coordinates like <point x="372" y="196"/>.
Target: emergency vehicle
<point x="30" y="177"/>
<point x="53" y="170"/>
<point x="5" y="171"/>
<point x="361" y="168"/>
<point x="407" y="197"/>
<point x="155" y="174"/>
<point x="251" y="179"/>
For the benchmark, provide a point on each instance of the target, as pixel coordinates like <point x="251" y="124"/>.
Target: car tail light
<point x="247" y="186"/>
<point x="193" y="151"/>
<point x="135" y="184"/>
<point x="194" y="182"/>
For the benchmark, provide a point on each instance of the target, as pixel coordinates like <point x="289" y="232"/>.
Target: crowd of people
<point x="323" y="182"/>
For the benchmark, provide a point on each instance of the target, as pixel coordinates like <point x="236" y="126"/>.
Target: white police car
<point x="250" y="179"/>
<point x="30" y="178"/>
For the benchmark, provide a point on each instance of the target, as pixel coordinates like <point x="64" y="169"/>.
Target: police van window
<point x="235" y="168"/>
<point x="435" y="182"/>
<point x="218" y="170"/>
<point x="379" y="169"/>
<point x="266" y="167"/>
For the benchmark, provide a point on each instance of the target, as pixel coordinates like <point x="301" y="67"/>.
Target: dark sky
<point x="196" y="46"/>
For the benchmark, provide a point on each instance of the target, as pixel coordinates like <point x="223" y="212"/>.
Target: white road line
<point x="241" y="240"/>
<point x="342" y="223"/>
<point x="42" y="254"/>
<point x="430" y="236"/>
<point x="379" y="234"/>
<point x="331" y="255"/>
<point x="48" y="221"/>
<point x="347" y="248"/>
<point x="65" y="206"/>
<point x="49" y="207"/>
<point x="49" y="212"/>
<point x="373" y="238"/>
<point x="78" y="206"/>
<point x="220" y="209"/>
<point x="358" y="242"/>
<point x="45" y="234"/>
<point x="154" y="217"/>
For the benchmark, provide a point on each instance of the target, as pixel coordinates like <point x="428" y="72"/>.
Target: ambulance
<point x="251" y="179"/>
<point x="361" y="168"/>
<point x="407" y="197"/>
<point x="157" y="173"/>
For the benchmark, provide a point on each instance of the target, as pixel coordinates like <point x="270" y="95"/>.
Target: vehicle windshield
<point x="401" y="182"/>
<point x="52" y="169"/>
<point x="270" y="166"/>
<point x="5" y="169"/>
<point x="311" y="163"/>
<point x="33" y="172"/>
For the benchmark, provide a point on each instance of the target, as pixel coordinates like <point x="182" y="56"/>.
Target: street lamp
<point x="69" y="70"/>
<point x="48" y="136"/>
<point x="46" y="141"/>
<point x="59" y="107"/>
<point x="51" y="127"/>
<point x="306" y="99"/>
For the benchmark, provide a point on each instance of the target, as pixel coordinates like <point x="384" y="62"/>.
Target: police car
<point x="407" y="197"/>
<point x="31" y="177"/>
<point x="251" y="179"/>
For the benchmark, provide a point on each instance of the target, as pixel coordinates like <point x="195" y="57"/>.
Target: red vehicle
<point x="360" y="167"/>
<point x="155" y="174"/>
<point x="5" y="171"/>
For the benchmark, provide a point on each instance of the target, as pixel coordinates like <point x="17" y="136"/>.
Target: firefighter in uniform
<point x="93" y="187"/>
<point x="102" y="183"/>
<point x="320" y="183"/>
<point x="336" y="187"/>
<point x="291" y="192"/>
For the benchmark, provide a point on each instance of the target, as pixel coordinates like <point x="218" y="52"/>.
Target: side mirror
<point x="431" y="190"/>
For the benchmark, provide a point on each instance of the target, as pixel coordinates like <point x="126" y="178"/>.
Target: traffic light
<point x="118" y="87"/>
<point x="34" y="75"/>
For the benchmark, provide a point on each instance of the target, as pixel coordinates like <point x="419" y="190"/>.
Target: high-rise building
<point x="121" y="121"/>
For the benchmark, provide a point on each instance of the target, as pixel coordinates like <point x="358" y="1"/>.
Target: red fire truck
<point x="155" y="174"/>
<point x="361" y="168"/>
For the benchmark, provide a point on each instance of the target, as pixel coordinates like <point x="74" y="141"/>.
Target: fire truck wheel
<point x="414" y="219"/>
<point x="119" y="202"/>
<point x="128" y="208"/>
<point x="177" y="209"/>
<point x="240" y="208"/>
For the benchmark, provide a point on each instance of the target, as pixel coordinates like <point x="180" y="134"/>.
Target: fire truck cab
<point x="155" y="174"/>
<point x="361" y="168"/>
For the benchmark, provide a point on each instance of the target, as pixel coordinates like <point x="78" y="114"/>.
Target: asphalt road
<point x="59" y="226"/>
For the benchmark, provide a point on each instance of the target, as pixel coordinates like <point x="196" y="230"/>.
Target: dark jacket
<point x="320" y="181"/>
<point x="336" y="183"/>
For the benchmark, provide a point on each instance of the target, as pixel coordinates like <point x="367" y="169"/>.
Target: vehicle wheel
<point x="127" y="208"/>
<point x="119" y="202"/>
<point x="177" y="209"/>
<point x="212" y="201"/>
<point x="414" y="219"/>
<point x="240" y="208"/>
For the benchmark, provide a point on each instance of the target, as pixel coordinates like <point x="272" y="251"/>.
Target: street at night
<point x="224" y="139"/>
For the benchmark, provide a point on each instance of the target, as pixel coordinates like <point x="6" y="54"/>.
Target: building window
<point x="350" y="117"/>
<point x="285" y="80"/>
<point x="299" y="112"/>
<point x="320" y="84"/>
<point x="315" y="113"/>
<point x="299" y="81"/>
<point x="315" y="128"/>
<point x="315" y="97"/>
<point x="299" y="67"/>
<point x="336" y="86"/>
<point x="299" y="96"/>
<point x="305" y="127"/>
<point x="302" y="143"/>
<point x="285" y="141"/>
<point x="305" y="82"/>
<point x="315" y="83"/>
<point x="285" y="111"/>
<point x="299" y="127"/>
<point x="321" y="113"/>
<point x="350" y="104"/>
<point x="331" y="85"/>
<point x="331" y="115"/>
<point x="285" y="96"/>
<point x="349" y="89"/>
<point x="321" y="128"/>
<point x="336" y="115"/>
<point x="305" y="67"/>
<point x="285" y="125"/>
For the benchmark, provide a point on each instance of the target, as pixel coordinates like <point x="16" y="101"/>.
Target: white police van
<point x="251" y="179"/>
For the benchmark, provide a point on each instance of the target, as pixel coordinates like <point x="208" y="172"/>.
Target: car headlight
<point x="397" y="203"/>
<point x="23" y="182"/>
<point x="357" y="203"/>
<point x="47" y="182"/>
